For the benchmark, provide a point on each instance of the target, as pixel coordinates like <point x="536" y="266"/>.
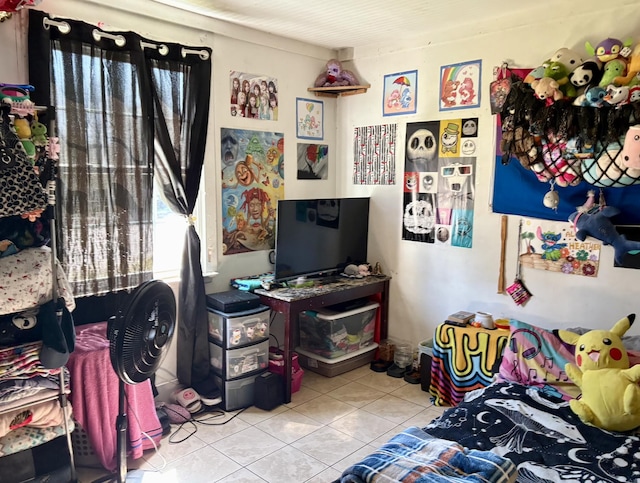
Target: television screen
<point x="320" y="236"/>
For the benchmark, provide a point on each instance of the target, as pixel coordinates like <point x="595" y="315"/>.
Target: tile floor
<point x="329" y="424"/>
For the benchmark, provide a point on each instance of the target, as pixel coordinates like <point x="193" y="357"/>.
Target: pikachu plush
<point x="610" y="390"/>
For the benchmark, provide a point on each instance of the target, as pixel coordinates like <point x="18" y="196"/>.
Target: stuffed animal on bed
<point x="610" y="391"/>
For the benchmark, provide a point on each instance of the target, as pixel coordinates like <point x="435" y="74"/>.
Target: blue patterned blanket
<point x="415" y="456"/>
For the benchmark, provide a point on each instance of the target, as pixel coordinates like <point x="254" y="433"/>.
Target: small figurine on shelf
<point x="334" y="75"/>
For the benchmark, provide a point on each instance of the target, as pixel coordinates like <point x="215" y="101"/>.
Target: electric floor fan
<point x="139" y="337"/>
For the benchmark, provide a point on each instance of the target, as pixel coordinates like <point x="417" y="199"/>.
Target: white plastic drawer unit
<point x="232" y="363"/>
<point x="237" y="329"/>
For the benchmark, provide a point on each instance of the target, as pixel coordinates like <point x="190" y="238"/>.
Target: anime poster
<point x="253" y="96"/>
<point x="310" y="118"/>
<point x="313" y="161"/>
<point x="374" y="154"/>
<point x="553" y="246"/>
<point x="400" y="93"/>
<point x="252" y="184"/>
<point x="460" y="85"/>
<point x="439" y="182"/>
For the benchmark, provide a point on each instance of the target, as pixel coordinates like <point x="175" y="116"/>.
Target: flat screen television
<point x="320" y="236"/>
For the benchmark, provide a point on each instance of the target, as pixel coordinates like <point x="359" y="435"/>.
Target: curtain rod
<point x="120" y="41"/>
<point x="63" y="27"/>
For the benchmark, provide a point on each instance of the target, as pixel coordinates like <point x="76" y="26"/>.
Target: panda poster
<point x="439" y="182"/>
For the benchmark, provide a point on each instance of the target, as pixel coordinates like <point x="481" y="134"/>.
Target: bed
<point x="521" y="423"/>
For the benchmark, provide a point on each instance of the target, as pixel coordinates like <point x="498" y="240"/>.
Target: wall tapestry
<point x="252" y="184"/>
<point x="253" y="96"/>
<point x="439" y="181"/>
<point x="313" y="161"/>
<point x="310" y="118"/>
<point x="374" y="154"/>
<point x="553" y="246"/>
<point x="460" y="85"/>
<point x="400" y="93"/>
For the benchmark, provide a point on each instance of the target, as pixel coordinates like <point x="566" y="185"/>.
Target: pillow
<point x="536" y="357"/>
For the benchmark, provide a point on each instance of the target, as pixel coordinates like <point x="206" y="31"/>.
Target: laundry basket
<point x="83" y="452"/>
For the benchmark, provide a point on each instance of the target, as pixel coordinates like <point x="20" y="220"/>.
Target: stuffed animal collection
<point x="610" y="391"/>
<point x="610" y="66"/>
<point x="564" y="144"/>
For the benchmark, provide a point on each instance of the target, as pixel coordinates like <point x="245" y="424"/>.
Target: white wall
<point x="429" y="282"/>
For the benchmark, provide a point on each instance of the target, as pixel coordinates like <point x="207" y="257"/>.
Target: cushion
<point x="536" y="357"/>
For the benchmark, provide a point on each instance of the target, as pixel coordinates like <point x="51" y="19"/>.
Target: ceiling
<point x="338" y="24"/>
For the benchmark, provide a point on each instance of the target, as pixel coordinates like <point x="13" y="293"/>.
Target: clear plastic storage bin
<point x="332" y="334"/>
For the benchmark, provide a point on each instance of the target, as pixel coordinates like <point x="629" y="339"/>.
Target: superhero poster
<point x="439" y="182"/>
<point x="252" y="184"/>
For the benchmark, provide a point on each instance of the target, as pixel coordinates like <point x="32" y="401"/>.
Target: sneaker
<point x="212" y="398"/>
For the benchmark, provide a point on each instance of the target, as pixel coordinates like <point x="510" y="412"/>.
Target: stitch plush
<point x="598" y="225"/>
<point x="610" y="390"/>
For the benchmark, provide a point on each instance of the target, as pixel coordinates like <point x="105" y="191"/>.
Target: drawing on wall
<point x="374" y="154"/>
<point x="252" y="184"/>
<point x="400" y="93"/>
<point x="439" y="182"/>
<point x="310" y="118"/>
<point x="553" y="246"/>
<point x="313" y="161"/>
<point x="253" y="96"/>
<point x="460" y="85"/>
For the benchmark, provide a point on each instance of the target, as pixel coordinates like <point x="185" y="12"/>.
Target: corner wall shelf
<point x="339" y="91"/>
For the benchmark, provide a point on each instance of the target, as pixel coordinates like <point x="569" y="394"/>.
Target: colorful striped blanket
<point x="415" y="456"/>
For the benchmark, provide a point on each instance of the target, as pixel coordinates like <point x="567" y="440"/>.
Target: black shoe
<point x="395" y="371"/>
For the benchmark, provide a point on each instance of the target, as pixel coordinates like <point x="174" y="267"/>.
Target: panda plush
<point x="587" y="74"/>
<point x="20" y="328"/>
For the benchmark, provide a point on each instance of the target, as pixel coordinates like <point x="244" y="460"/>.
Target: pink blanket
<point x="94" y="396"/>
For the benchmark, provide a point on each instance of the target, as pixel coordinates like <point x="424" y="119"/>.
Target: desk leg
<point x="288" y="350"/>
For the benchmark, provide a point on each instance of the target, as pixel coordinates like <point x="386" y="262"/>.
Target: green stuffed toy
<point x="560" y="73"/>
<point x="610" y="391"/>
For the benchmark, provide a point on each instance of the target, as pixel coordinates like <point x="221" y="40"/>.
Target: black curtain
<point x="181" y="92"/>
<point x="128" y="108"/>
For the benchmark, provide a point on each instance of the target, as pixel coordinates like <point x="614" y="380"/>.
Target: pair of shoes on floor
<point x="409" y="374"/>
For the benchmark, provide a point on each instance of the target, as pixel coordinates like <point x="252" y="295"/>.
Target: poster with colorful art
<point x="310" y="118"/>
<point x="400" y="93"/>
<point x="313" y="161"/>
<point x="253" y="96"/>
<point x="553" y="246"/>
<point x="374" y="154"/>
<point x="460" y="85"/>
<point x="252" y="184"/>
<point x="439" y="182"/>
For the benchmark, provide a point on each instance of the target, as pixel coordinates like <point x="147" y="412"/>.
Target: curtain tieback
<point x="191" y="219"/>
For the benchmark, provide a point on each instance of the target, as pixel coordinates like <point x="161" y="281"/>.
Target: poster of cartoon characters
<point x="253" y="96"/>
<point x="553" y="246"/>
<point x="400" y="93"/>
<point x="310" y="116"/>
<point x="460" y="85"/>
<point x="252" y="184"/>
<point x="439" y="182"/>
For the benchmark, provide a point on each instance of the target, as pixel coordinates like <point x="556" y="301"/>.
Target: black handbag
<point x="20" y="189"/>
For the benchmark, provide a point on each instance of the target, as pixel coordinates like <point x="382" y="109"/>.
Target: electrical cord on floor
<point x="194" y="420"/>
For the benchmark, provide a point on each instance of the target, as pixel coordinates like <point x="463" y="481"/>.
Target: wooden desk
<point x="291" y="301"/>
